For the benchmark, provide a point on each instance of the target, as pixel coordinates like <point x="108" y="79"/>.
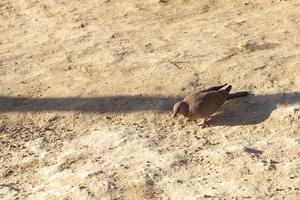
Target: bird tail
<point x="215" y="88"/>
<point x="237" y="95"/>
<point x="228" y="89"/>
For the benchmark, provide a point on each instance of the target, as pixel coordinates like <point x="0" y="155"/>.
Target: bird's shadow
<point x="252" y="109"/>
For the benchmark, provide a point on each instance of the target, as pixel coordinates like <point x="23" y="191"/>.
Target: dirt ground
<point x="87" y="89"/>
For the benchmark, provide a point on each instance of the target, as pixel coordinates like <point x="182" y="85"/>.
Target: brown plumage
<point x="204" y="103"/>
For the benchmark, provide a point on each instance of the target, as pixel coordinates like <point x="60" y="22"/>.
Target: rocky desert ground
<point x="87" y="89"/>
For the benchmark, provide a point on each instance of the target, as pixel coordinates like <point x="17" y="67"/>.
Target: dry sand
<point x="87" y="89"/>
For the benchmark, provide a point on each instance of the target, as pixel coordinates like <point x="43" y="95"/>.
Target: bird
<point x="204" y="103"/>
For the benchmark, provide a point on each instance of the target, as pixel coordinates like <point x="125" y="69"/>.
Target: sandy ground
<point x="87" y="89"/>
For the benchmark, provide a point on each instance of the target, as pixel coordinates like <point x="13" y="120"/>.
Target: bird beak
<point x="175" y="114"/>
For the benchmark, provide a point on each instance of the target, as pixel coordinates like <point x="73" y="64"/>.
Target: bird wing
<point x="205" y="104"/>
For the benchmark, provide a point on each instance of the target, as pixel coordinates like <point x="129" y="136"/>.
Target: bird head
<point x="180" y="107"/>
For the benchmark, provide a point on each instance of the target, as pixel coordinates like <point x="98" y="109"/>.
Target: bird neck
<point x="185" y="111"/>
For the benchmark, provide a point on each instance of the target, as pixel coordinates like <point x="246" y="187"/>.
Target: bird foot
<point x="205" y="123"/>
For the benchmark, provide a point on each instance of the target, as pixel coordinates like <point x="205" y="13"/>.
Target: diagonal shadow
<point x="253" y="109"/>
<point x="105" y="104"/>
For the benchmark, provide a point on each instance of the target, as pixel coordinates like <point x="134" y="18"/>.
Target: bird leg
<point x="205" y="123"/>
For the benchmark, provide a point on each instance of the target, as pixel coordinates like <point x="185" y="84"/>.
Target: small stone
<point x="108" y="117"/>
<point x="8" y="173"/>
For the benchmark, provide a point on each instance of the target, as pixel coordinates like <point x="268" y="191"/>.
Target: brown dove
<point x="204" y="103"/>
